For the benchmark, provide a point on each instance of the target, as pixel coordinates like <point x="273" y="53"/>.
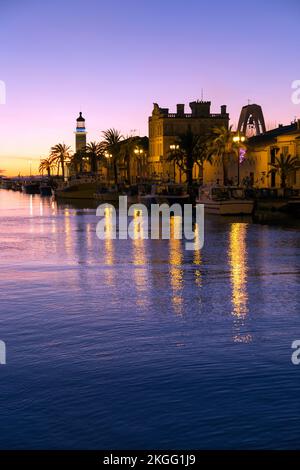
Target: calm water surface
<point x="141" y="344"/>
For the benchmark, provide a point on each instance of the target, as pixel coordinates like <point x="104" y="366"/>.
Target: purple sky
<point x="113" y="59"/>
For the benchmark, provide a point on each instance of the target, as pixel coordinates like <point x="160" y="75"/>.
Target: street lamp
<point x="139" y="152"/>
<point x="109" y="157"/>
<point x="173" y="148"/>
<point x="237" y="139"/>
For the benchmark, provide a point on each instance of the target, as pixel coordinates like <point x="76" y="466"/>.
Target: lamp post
<point x="109" y="157"/>
<point x="238" y="138"/>
<point x="173" y="148"/>
<point x="139" y="152"/>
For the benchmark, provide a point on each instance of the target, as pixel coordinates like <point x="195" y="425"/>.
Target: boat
<point x="225" y="200"/>
<point x="107" y="194"/>
<point x="31" y="187"/>
<point x="75" y="191"/>
<point x="6" y="183"/>
<point x="45" y="189"/>
<point x="293" y="205"/>
<point x="168" y="193"/>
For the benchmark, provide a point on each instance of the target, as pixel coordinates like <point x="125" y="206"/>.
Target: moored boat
<point x="107" y="194"/>
<point x="45" y="190"/>
<point x="225" y="200"/>
<point x="6" y="183"/>
<point x="168" y="193"/>
<point x="31" y="187"/>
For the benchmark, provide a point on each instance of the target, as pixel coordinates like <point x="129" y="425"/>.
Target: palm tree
<point x="283" y="166"/>
<point x="94" y="151"/>
<point x="47" y="165"/>
<point x="76" y="161"/>
<point x="140" y="152"/>
<point x="190" y="149"/>
<point x="111" y="144"/>
<point x="60" y="153"/>
<point x="127" y="148"/>
<point x="134" y="149"/>
<point x="223" y="146"/>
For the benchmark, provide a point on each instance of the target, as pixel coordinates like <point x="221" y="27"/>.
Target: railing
<point x="189" y="115"/>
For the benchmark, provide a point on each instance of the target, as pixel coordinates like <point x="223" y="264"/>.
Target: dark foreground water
<point x="141" y="344"/>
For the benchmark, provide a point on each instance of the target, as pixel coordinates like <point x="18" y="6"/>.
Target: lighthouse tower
<point x="80" y="133"/>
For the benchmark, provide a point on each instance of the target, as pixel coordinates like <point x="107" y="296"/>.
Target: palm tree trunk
<point x="128" y="169"/>
<point x="115" y="172"/>
<point x="93" y="163"/>
<point x="62" y="168"/>
<point x="225" y="171"/>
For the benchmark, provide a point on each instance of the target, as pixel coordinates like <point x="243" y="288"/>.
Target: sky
<point x="113" y="59"/>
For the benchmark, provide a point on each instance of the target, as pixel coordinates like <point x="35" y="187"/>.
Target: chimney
<point x="180" y="110"/>
<point x="223" y="109"/>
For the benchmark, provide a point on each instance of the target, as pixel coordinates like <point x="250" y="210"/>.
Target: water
<point x="141" y="344"/>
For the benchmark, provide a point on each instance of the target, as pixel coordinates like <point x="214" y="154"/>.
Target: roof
<point x="80" y="117"/>
<point x="270" y="136"/>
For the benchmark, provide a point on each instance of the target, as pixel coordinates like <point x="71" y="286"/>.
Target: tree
<point x="134" y="149"/>
<point x="284" y="165"/>
<point x="140" y="152"/>
<point x="94" y="151"/>
<point x="223" y="146"/>
<point x="47" y="165"/>
<point x="77" y="161"/>
<point x="128" y="146"/>
<point x="111" y="145"/>
<point x="60" y="153"/>
<point x="190" y="149"/>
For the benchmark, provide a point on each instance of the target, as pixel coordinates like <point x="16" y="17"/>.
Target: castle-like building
<point x="165" y="127"/>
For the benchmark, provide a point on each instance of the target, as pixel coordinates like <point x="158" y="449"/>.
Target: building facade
<point x="164" y="129"/>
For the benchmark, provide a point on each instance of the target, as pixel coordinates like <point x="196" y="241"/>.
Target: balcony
<point x="189" y="115"/>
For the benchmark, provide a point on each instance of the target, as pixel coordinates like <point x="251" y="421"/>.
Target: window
<point x="285" y="150"/>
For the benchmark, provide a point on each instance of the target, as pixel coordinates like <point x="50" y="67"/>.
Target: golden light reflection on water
<point x="238" y="261"/>
<point x="197" y="261"/>
<point x="139" y="257"/>
<point x="109" y="250"/>
<point x="31" y="205"/>
<point x="140" y="260"/>
<point x="68" y="239"/>
<point x="89" y="236"/>
<point x="176" y="260"/>
<point x="108" y="242"/>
